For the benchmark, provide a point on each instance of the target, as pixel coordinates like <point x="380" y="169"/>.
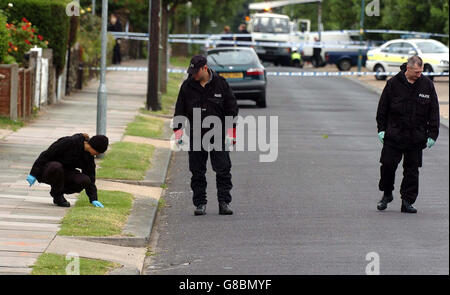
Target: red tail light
<point x="255" y="72"/>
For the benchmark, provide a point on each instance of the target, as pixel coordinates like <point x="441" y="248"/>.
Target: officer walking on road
<point x="57" y="166"/>
<point x="407" y="121"/>
<point x="209" y="94"/>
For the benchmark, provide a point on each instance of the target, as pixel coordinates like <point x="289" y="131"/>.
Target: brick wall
<point x="5" y="91"/>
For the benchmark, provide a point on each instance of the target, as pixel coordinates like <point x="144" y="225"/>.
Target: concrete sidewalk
<point x="28" y="219"/>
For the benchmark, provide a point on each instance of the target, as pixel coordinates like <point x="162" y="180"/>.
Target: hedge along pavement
<point x="51" y="19"/>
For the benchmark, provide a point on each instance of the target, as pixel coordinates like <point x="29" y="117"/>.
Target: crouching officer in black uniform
<point x="57" y="167"/>
<point x="209" y="94"/>
<point x="408" y="121"/>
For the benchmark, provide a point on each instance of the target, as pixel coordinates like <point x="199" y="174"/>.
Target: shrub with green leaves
<point x="51" y="19"/>
<point x="91" y="43"/>
<point x="4" y="38"/>
<point x="23" y="37"/>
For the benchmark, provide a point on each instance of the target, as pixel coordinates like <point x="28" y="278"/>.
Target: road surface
<point x="313" y="210"/>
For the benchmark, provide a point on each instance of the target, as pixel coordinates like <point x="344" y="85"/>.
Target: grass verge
<point x="126" y="160"/>
<point x="169" y="98"/>
<point x="179" y="61"/>
<point x="6" y="123"/>
<point x="54" y="264"/>
<point x="145" y="127"/>
<point x="86" y="220"/>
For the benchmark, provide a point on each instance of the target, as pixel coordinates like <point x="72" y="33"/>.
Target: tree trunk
<point x="165" y="51"/>
<point x="179" y="49"/>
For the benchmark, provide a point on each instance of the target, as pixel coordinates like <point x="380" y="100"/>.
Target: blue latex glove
<point x="97" y="204"/>
<point x="430" y="142"/>
<point x="31" y="179"/>
<point x="381" y="136"/>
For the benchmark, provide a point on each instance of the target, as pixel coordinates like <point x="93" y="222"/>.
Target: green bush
<point x="90" y="42"/>
<point x="51" y="19"/>
<point x="4" y="38"/>
<point x="23" y="37"/>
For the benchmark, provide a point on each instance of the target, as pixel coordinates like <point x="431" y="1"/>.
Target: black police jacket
<point x="215" y="99"/>
<point x="69" y="151"/>
<point x="408" y="113"/>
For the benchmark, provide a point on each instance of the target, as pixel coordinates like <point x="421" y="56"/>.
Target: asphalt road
<point x="313" y="211"/>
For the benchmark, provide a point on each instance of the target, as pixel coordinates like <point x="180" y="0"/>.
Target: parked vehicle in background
<point x="389" y="56"/>
<point x="244" y="72"/>
<point x="345" y="60"/>
<point x="276" y="28"/>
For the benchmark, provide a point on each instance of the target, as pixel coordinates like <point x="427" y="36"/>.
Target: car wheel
<point x="379" y="69"/>
<point x="428" y="69"/>
<point x="261" y="102"/>
<point x="344" y="65"/>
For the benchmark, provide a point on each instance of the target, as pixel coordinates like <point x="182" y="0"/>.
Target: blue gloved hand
<point x="430" y="142"/>
<point x="31" y="179"/>
<point x="97" y="204"/>
<point x="381" y="136"/>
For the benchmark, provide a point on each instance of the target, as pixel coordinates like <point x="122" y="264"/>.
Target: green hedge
<point x="4" y="39"/>
<point x="51" y="19"/>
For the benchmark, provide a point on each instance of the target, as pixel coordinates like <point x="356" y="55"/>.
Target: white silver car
<point x="392" y="54"/>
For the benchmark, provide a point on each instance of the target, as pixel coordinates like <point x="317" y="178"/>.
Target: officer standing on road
<point x="211" y="95"/>
<point x="407" y="121"/>
<point x="226" y="31"/>
<point x="243" y="30"/>
<point x="317" y="58"/>
<point x="57" y="166"/>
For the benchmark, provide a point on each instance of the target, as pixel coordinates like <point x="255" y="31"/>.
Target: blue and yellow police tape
<point x="291" y="74"/>
<point x="192" y="36"/>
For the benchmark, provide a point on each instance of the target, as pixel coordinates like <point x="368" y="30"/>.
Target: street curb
<point x="124" y="271"/>
<point x="378" y="91"/>
<point x="139" y="226"/>
<point x="140" y="222"/>
<point x="156" y="175"/>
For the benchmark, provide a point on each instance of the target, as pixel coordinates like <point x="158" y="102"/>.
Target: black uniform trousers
<point x="64" y="181"/>
<point x="221" y="164"/>
<point x="412" y="160"/>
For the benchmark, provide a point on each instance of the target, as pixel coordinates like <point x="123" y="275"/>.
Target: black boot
<point x="61" y="201"/>
<point x="200" y="210"/>
<point x="407" y="207"/>
<point x="224" y="209"/>
<point x="387" y="198"/>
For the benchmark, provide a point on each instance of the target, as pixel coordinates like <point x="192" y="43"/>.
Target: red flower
<point x="33" y="30"/>
<point x="40" y="37"/>
<point x="24" y="28"/>
<point x="25" y="20"/>
<point x="27" y="26"/>
<point x="28" y="42"/>
<point x="10" y="44"/>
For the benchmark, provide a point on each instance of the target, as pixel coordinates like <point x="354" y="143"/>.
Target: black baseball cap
<point x="197" y="62"/>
